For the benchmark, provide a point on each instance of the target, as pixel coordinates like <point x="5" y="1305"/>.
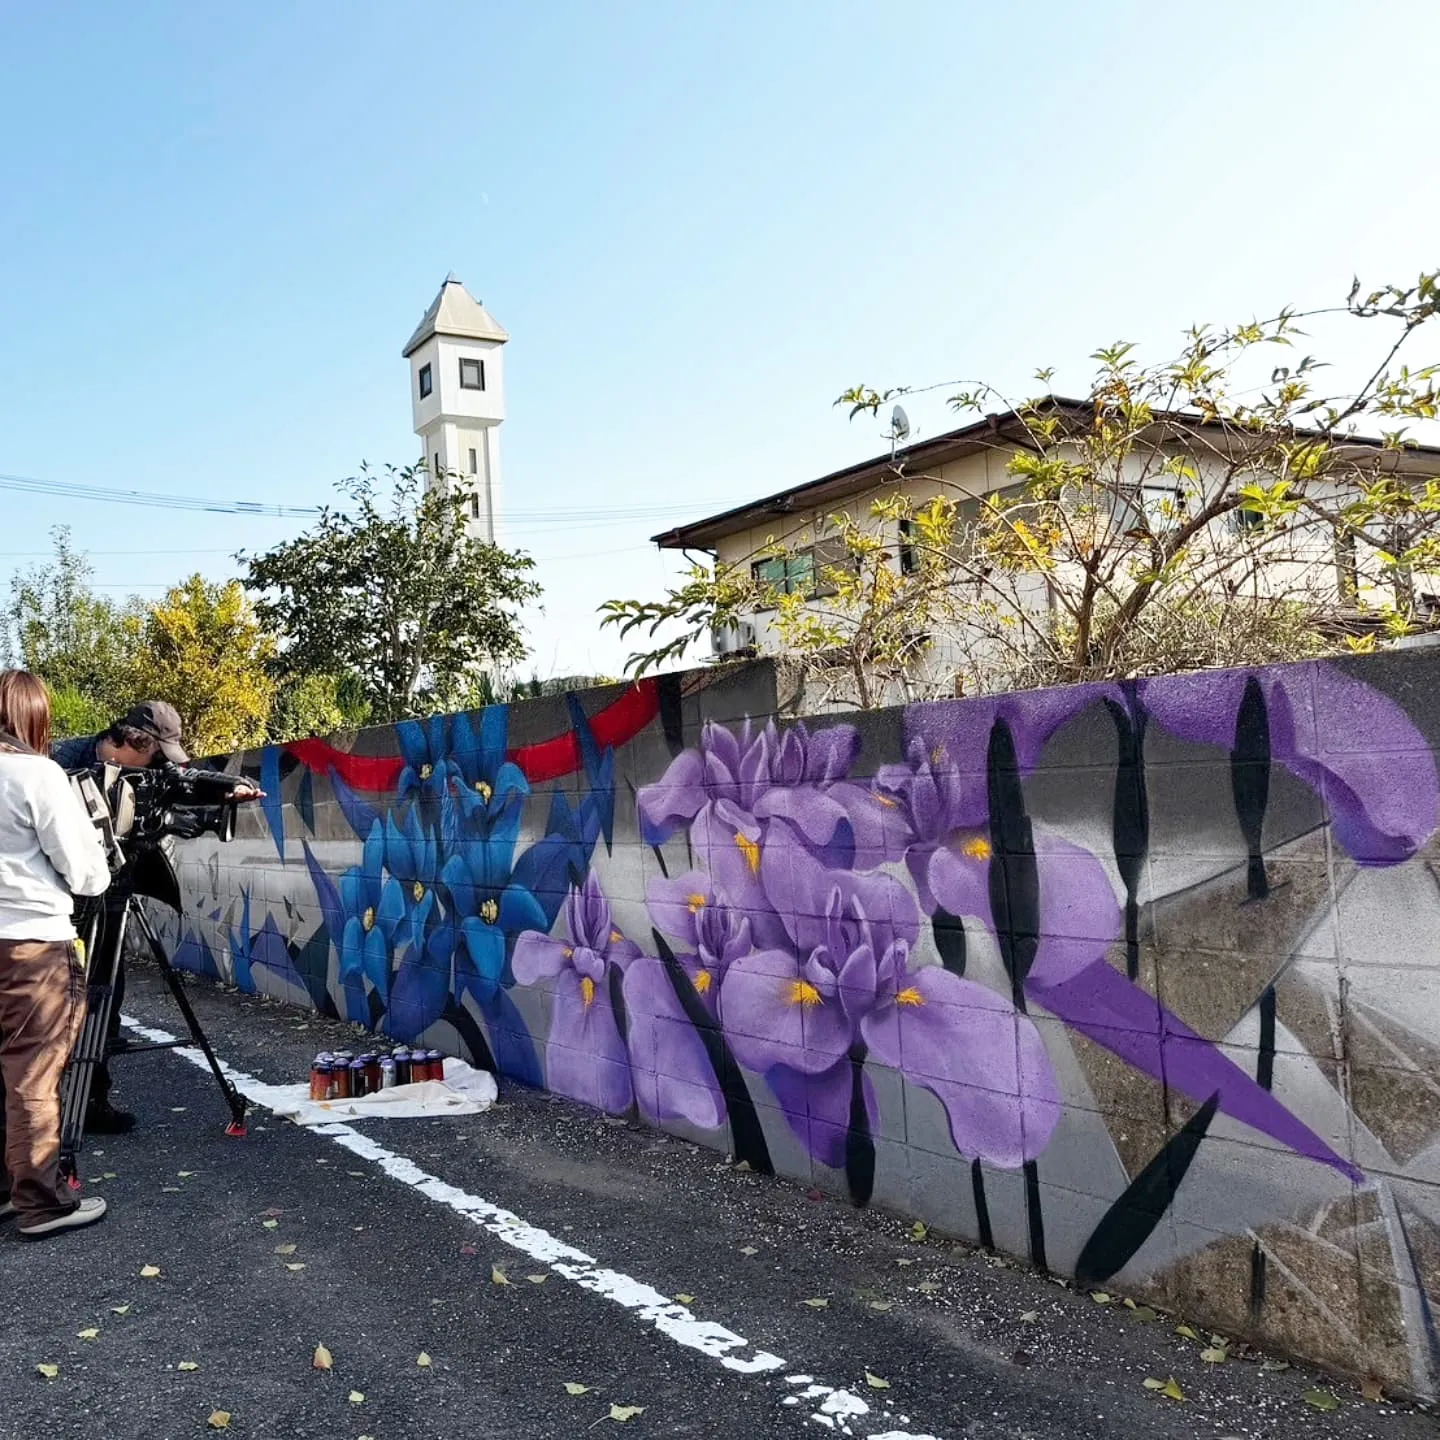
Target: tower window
<point x="472" y="374"/>
<point x="474" y="462"/>
<point x="426" y="382"/>
<point x="474" y="506"/>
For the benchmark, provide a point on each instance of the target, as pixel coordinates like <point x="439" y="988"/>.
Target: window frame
<point x="425" y="377"/>
<point x="479" y="365"/>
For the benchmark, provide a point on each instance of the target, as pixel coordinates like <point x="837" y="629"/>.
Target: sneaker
<point x="105" y="1119"/>
<point x="87" y="1212"/>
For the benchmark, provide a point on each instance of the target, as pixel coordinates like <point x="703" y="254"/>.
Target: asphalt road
<point x="388" y="1264"/>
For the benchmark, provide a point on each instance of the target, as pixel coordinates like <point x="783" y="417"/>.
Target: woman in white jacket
<point x="49" y="852"/>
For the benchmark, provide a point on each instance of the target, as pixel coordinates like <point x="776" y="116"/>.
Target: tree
<point x="317" y="705"/>
<point x="395" y="593"/>
<point x="206" y="652"/>
<point x="1206" y="510"/>
<point x="84" y="645"/>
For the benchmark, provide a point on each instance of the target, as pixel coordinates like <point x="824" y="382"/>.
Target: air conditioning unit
<point x="737" y="638"/>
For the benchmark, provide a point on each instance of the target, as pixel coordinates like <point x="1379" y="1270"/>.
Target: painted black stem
<point x="745" y="1131"/>
<point x="859" y="1143"/>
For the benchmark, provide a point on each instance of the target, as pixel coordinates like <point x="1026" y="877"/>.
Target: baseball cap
<point x="162" y="721"/>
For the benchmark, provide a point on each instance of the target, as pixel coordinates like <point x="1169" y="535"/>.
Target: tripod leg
<point x="233" y="1098"/>
<point x="89" y="1048"/>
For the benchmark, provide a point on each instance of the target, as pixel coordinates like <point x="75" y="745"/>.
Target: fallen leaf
<point x="48" y="1371"/>
<point x="626" y="1412"/>
<point x="284" y="1249"/>
<point x="186" y="1174"/>
<point x="1129" y="1303"/>
<point x="748" y="1250"/>
<point x="149" y="1272"/>
<point x="1187" y="1332"/>
<point x="1320" y="1400"/>
<point x="927" y="1287"/>
<point x="1143" y="1315"/>
<point x="323" y="1358"/>
<point x="1273" y="1366"/>
<point x="573" y="1387"/>
<point x="814" y="1196"/>
<point x="423" y="1360"/>
<point x="1030" y="1317"/>
<point x="1101" y="1298"/>
<point x="187" y="1365"/>
<point x="271" y="1224"/>
<point x="537" y="1279"/>
<point x="219" y="1420"/>
<point x="906" y="1262"/>
<point x="742" y="1165"/>
<point x="1167" y="1388"/>
<point x="177" y="1109"/>
<point x="1215" y="1355"/>
<point x="881" y="1304"/>
<point x="169" y="1189"/>
<point x="497" y="1276"/>
<point x="919" y="1230"/>
<point x="875" y="1382"/>
<point x="468" y="1250"/>
<point x="1021" y="1357"/>
<point x="686" y="1299"/>
<point x="272" y="1213"/>
<point x="1219" y="1341"/>
<point x="357" y="1397"/>
<point x="109" y="1175"/>
<point x="295" y="1265"/>
<point x="1371" y="1389"/>
<point x="91" y="1334"/>
<point x="119" y="1309"/>
<point x="816" y="1304"/>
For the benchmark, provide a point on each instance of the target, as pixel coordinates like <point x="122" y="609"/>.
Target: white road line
<point x="838" y="1409"/>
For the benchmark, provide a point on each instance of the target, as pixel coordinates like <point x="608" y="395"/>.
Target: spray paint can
<point x="340" y="1075"/>
<point x="372" y="1071"/>
<point x="320" y="1075"/>
<point x="387" y="1073"/>
<point x="437" y="1064"/>
<point x="401" y="1056"/>
<point x="358" y="1086"/>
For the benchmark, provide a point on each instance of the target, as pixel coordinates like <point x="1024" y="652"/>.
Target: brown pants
<point x="42" y="1006"/>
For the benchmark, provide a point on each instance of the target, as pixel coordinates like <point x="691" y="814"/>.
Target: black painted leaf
<point x="1250" y="780"/>
<point x="1128" y="1223"/>
<point x="1014" y="879"/>
<point x="949" y="939"/>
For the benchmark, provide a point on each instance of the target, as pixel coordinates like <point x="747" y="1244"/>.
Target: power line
<point x="151" y="499"/>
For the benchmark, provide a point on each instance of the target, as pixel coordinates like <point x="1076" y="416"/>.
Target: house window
<point x="909" y="556"/>
<point x="426" y="383"/>
<point x="474" y="462"/>
<point x="474" y="504"/>
<point x="789" y="574"/>
<point x="472" y="374"/>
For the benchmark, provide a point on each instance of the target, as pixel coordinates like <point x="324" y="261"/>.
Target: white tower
<point x="457" y="393"/>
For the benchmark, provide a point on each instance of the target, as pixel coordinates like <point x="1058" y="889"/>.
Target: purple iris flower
<point x="735" y="791"/>
<point x="1338" y="734"/>
<point x="843" y="983"/>
<point x="933" y="801"/>
<point x="674" y="1076"/>
<point x="585" y="1055"/>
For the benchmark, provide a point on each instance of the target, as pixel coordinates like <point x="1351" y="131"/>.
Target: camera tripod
<point x="104" y="933"/>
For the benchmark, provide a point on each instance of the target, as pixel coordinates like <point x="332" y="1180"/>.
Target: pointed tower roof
<point x="455" y="311"/>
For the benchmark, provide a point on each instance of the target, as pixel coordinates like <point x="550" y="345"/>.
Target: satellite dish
<point x="899" y="424"/>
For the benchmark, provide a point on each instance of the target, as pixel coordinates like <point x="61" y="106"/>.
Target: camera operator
<point x="49" y="852"/>
<point x="148" y="734"/>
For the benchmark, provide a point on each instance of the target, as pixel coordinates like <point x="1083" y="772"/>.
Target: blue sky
<point x="698" y="223"/>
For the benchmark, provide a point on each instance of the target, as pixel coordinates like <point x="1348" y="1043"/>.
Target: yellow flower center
<point x="909" y="996"/>
<point x="696" y="904"/>
<point x="886" y="801"/>
<point x="703" y="982"/>
<point x="802" y="992"/>
<point x="489" y="912"/>
<point x="418" y="891"/>
<point x="937" y="755"/>
<point x="483" y="791"/>
<point x="587" y="989"/>
<point x="615" y="937"/>
<point x="426" y="771"/>
<point x="567" y="952"/>
<point x="978" y="848"/>
<point x="751" y="851"/>
<point x="368" y="918"/>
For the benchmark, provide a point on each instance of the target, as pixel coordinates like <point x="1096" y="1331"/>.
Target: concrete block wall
<point x="1137" y="982"/>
